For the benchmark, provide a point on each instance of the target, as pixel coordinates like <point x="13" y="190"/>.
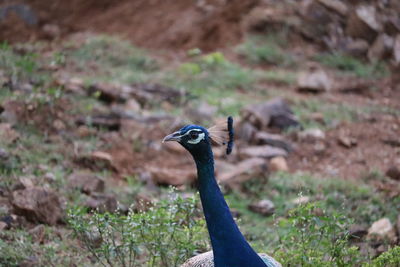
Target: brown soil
<point x="150" y="23"/>
<point x="371" y="152"/>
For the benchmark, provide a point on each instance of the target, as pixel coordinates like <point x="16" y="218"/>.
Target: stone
<point x="301" y="200"/>
<point x="7" y="134"/>
<point x="381" y="48"/>
<point x="264" y="151"/>
<point x="311" y="135"/>
<point x="171" y="176"/>
<point x="203" y="112"/>
<point x="51" y="31"/>
<point x="278" y="164"/>
<point x="363" y="23"/>
<point x="275" y="140"/>
<point x="264" y="207"/>
<point x="382" y="229"/>
<point x="38" y="233"/>
<point x="97" y="160"/>
<point x="336" y="5"/>
<point x="274" y="113"/>
<point x="357" y="47"/>
<point x="242" y="171"/>
<point x="132" y="105"/>
<point x="38" y="204"/>
<point x="394" y="173"/>
<point x="3" y="226"/>
<point x="346" y="141"/>
<point x="357" y="231"/>
<point x="396" y="50"/>
<point x="315" y="80"/>
<point x="102" y="202"/>
<point x="86" y="182"/>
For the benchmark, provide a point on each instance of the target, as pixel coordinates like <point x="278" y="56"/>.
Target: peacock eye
<point x="194" y="135"/>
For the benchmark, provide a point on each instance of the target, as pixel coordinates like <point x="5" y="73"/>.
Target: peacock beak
<point x="176" y="136"/>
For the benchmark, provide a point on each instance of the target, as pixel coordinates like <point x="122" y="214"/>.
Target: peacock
<point x="229" y="247"/>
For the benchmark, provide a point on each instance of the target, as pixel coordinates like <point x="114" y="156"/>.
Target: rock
<point x="346" y="141"/>
<point x="7" y="134"/>
<point x="4" y="155"/>
<point x="278" y="164"/>
<point x="315" y="80"/>
<point x="264" y="207"/>
<point x="264" y="151"/>
<point x="357" y="48"/>
<point x="97" y="160"/>
<point x="357" y="231"/>
<point x="382" y="229"/>
<point x="171" y="176"/>
<point x="132" y="105"/>
<point x="111" y="121"/>
<point x="102" y="202"/>
<point x="86" y="182"/>
<point x="245" y="131"/>
<point x="276" y="140"/>
<point x="38" y="233"/>
<point x="363" y="23"/>
<point x="51" y="30"/>
<point x="353" y="85"/>
<point x="394" y="173"/>
<point x="381" y="48"/>
<point x="3" y="226"/>
<point x="275" y="113"/>
<point x="311" y="135"/>
<point x="9" y="220"/>
<point x="37" y="204"/>
<point x="204" y="112"/>
<point x="242" y="171"/>
<point x="396" y="50"/>
<point x="336" y="5"/>
<point x="84" y="131"/>
<point x="301" y="200"/>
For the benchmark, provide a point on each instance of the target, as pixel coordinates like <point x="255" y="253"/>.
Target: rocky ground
<point x="83" y="113"/>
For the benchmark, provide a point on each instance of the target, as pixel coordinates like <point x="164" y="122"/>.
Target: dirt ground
<point x="151" y="24"/>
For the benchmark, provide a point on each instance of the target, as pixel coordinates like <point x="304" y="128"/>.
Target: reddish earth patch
<point x="153" y="24"/>
<point x="370" y="152"/>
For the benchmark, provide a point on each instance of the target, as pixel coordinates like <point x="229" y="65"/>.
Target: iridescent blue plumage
<point x="230" y="249"/>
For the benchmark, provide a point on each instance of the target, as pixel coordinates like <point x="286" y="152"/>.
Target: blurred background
<point x="90" y="88"/>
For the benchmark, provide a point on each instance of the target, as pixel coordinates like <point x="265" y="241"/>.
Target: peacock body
<point x="229" y="247"/>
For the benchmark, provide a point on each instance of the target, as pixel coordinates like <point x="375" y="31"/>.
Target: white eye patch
<point x="200" y="136"/>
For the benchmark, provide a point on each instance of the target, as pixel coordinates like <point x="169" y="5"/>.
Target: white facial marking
<point x="201" y="137"/>
<point x="198" y="139"/>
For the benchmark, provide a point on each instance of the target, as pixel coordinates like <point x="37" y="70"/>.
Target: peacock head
<point x="197" y="138"/>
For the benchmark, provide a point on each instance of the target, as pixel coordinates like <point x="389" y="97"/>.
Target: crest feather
<point x="222" y="134"/>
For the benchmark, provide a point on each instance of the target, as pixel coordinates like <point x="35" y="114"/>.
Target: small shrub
<point x="390" y="258"/>
<point x="353" y="66"/>
<point x="309" y="237"/>
<point x="261" y="50"/>
<point x="165" y="235"/>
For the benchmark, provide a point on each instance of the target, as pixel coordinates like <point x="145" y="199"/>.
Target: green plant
<point x="390" y="258"/>
<point x="19" y="68"/>
<point x="261" y="50"/>
<point x="350" y="65"/>
<point x="165" y="235"/>
<point x="114" y="59"/>
<point x="214" y="79"/>
<point x="310" y="237"/>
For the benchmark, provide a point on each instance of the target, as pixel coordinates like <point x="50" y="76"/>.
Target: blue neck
<point x="229" y="246"/>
